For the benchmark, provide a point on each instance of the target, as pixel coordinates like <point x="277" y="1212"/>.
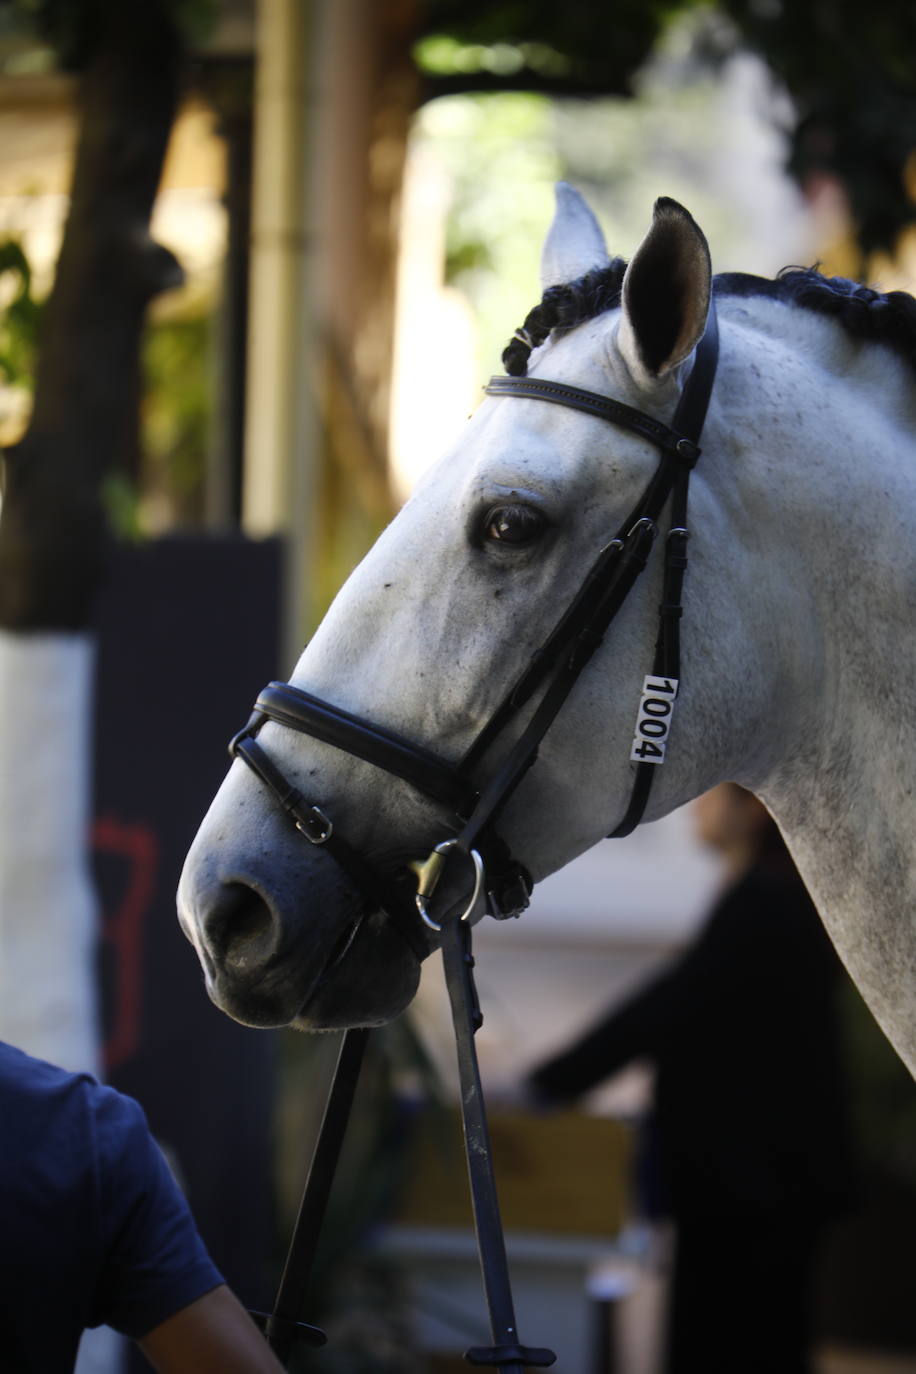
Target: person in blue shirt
<point x="94" y="1230"/>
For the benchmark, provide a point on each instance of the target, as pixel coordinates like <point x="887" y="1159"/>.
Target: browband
<point x="603" y="407"/>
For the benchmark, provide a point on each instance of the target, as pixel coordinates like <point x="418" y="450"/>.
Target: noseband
<point x="473" y="809"/>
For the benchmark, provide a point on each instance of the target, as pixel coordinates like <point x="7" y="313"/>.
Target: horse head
<point x="458" y="596"/>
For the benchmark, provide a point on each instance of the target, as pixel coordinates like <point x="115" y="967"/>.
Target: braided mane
<point x="862" y="312"/>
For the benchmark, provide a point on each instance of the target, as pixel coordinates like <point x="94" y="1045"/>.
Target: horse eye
<point x="515" y="524"/>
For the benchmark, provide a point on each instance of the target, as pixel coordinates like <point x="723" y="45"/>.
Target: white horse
<point x="799" y="658"/>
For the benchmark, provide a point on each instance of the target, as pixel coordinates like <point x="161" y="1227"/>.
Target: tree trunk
<point x="52" y="525"/>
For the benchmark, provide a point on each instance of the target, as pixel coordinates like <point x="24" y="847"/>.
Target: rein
<point x="501" y="880"/>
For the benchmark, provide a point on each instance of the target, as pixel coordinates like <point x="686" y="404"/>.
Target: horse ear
<point x="665" y="295"/>
<point x="574" y="242"/>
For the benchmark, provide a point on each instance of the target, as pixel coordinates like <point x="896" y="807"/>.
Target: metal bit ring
<point x="421" y="897"/>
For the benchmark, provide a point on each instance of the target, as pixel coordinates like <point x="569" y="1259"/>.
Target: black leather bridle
<point x="554" y="669"/>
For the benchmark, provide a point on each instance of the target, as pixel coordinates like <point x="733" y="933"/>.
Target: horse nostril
<point x="240" y="929"/>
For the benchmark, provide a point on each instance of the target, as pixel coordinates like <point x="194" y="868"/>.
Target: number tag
<point x="656" y="707"/>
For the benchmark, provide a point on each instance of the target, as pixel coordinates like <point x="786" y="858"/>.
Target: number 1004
<point x="654" y="719"/>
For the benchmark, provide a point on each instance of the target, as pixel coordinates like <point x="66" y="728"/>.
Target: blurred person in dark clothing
<point x="747" y="1144"/>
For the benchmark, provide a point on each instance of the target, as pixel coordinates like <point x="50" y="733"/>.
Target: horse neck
<point x="850" y="829"/>
<point x="845" y="795"/>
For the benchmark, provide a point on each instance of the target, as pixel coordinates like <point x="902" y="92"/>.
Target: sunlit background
<point x="357" y="251"/>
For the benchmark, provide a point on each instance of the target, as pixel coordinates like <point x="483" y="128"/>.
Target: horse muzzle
<point x="308" y="954"/>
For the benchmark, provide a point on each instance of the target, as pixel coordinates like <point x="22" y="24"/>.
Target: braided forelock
<point x="561" y="308"/>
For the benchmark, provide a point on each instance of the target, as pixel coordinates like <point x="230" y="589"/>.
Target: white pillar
<point x="281" y="437"/>
<point x="48" y="917"/>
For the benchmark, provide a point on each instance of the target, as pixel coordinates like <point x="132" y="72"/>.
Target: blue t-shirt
<point x="93" y="1228"/>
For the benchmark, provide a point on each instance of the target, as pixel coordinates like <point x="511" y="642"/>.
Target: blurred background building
<point x="357" y="191"/>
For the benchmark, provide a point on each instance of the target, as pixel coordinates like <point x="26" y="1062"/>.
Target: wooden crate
<point x="556" y="1173"/>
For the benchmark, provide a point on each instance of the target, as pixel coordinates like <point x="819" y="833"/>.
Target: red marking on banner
<point x="123" y="928"/>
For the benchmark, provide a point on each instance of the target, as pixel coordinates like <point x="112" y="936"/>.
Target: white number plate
<point x="656" y="708"/>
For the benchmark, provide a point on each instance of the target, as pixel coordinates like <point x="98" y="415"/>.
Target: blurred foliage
<point x="168" y="489"/>
<point x="501" y="163"/>
<point x="121" y="503"/>
<point x="849" y="69"/>
<point x="72" y="27"/>
<point x="846" y="66"/>
<point x="161" y="485"/>
<point x="621" y="154"/>
<point x="536" y="45"/>
<point x="20" y="318"/>
<point x="175" y="419"/>
<point x="166" y="492"/>
<point x="502" y="153"/>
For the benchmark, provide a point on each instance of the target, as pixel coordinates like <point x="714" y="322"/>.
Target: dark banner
<point x="188" y="634"/>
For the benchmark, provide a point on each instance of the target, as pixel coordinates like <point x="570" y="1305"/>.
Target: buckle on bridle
<point x="315" y="825"/>
<point x="687" y="450"/>
<point x="429" y="871"/>
<point x="644" y="527"/>
<point x="507" y="900"/>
